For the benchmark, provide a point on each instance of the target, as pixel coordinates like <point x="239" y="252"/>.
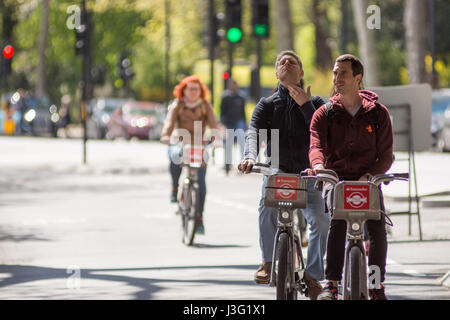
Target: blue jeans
<point x="175" y="173"/>
<point x="315" y="216"/>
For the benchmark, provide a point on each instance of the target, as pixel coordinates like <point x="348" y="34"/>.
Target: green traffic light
<point x="260" y="30"/>
<point x="234" y="34"/>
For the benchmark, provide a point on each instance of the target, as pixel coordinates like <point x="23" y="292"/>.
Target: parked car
<point x="140" y="119"/>
<point x="100" y="111"/>
<point x="440" y="120"/>
<point x="40" y="117"/>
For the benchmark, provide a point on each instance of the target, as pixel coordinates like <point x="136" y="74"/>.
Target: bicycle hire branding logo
<point x="286" y="183"/>
<point x="356" y="197"/>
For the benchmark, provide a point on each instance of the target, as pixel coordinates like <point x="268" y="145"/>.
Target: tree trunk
<point x="366" y="39"/>
<point x="285" y="28"/>
<point x="41" y="86"/>
<point x="324" y="58"/>
<point x="416" y="35"/>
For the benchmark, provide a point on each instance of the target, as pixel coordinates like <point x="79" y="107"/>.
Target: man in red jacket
<point x="355" y="140"/>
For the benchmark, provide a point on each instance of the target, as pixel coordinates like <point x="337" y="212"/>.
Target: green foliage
<point x="138" y="27"/>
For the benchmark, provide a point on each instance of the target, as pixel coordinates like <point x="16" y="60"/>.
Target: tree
<point x="41" y="85"/>
<point x="324" y="58"/>
<point x="416" y="35"/>
<point x="284" y="25"/>
<point x="366" y="39"/>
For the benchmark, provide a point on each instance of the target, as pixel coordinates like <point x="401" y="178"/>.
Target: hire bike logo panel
<point x="286" y="183"/>
<point x="195" y="155"/>
<point x="356" y="197"/>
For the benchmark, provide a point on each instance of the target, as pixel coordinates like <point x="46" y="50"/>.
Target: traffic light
<point x="8" y="53"/>
<point x="233" y="20"/>
<point x="260" y="18"/>
<point x="225" y="77"/>
<point x="125" y="71"/>
<point x="212" y="32"/>
<point x="82" y="33"/>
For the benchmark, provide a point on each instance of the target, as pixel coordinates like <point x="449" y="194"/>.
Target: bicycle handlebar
<point x="262" y="168"/>
<point x="330" y="176"/>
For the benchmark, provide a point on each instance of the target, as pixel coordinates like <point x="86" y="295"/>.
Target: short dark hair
<point x="357" y="66"/>
<point x="288" y="53"/>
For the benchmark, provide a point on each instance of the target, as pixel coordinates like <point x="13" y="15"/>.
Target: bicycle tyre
<point x="283" y="277"/>
<point x="355" y="265"/>
<point x="190" y="214"/>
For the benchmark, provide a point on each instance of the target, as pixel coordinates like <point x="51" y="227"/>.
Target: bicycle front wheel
<point x="355" y="266"/>
<point x="190" y="214"/>
<point x="284" y="276"/>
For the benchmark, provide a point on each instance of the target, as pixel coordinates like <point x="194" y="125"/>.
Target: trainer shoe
<point x="173" y="195"/>
<point x="313" y="287"/>
<point x="200" y="229"/>
<point x="330" y="292"/>
<point x="377" y="294"/>
<point x="262" y="275"/>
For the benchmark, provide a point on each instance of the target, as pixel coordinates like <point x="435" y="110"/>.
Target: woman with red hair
<point x="189" y="107"/>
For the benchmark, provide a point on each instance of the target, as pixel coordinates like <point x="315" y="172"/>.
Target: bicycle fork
<point x="355" y="240"/>
<point x="294" y="244"/>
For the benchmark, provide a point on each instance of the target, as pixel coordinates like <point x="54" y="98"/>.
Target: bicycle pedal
<point x="262" y="282"/>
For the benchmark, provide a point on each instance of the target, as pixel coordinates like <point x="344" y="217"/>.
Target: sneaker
<point x="262" y="275"/>
<point x="200" y="229"/>
<point x="173" y="196"/>
<point x="377" y="294"/>
<point x="313" y="287"/>
<point x="330" y="292"/>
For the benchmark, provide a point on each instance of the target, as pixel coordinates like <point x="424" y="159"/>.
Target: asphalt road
<point x="106" y="230"/>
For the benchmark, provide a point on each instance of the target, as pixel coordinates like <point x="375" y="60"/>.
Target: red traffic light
<point x="8" y="52"/>
<point x="226" y="75"/>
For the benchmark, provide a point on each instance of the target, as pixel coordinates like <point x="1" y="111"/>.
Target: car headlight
<point x="30" y="115"/>
<point x="105" y="118"/>
<point x="53" y="109"/>
<point x="54" y="117"/>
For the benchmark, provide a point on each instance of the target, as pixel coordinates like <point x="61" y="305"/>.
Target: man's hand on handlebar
<point x="165" y="139"/>
<point x="246" y="166"/>
<point x="313" y="171"/>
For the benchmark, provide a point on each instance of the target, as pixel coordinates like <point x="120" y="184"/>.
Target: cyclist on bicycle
<point x="353" y="137"/>
<point x="288" y="110"/>
<point x="189" y="106"/>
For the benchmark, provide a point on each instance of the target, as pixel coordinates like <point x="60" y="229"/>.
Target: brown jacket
<point x="349" y="145"/>
<point x="181" y="117"/>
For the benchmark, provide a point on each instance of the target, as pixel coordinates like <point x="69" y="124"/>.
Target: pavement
<point x="142" y="158"/>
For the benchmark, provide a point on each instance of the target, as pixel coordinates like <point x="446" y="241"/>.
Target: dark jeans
<point x="175" y="173"/>
<point x="336" y="245"/>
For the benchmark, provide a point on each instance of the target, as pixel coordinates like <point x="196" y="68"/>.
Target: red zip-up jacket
<point x="350" y="145"/>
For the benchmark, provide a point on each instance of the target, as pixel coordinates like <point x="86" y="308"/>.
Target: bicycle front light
<point x="355" y="226"/>
<point x="285" y="217"/>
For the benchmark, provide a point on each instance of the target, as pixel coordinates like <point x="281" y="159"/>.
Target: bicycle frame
<point x="286" y="193"/>
<point x="192" y="161"/>
<point x="356" y="202"/>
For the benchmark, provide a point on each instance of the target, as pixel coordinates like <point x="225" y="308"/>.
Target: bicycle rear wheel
<point x="283" y="270"/>
<point x="355" y="265"/>
<point x="190" y="214"/>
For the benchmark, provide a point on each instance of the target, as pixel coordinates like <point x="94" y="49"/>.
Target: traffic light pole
<point x="86" y="83"/>
<point x="212" y="35"/>
<point x="258" y="68"/>
<point x="230" y="58"/>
